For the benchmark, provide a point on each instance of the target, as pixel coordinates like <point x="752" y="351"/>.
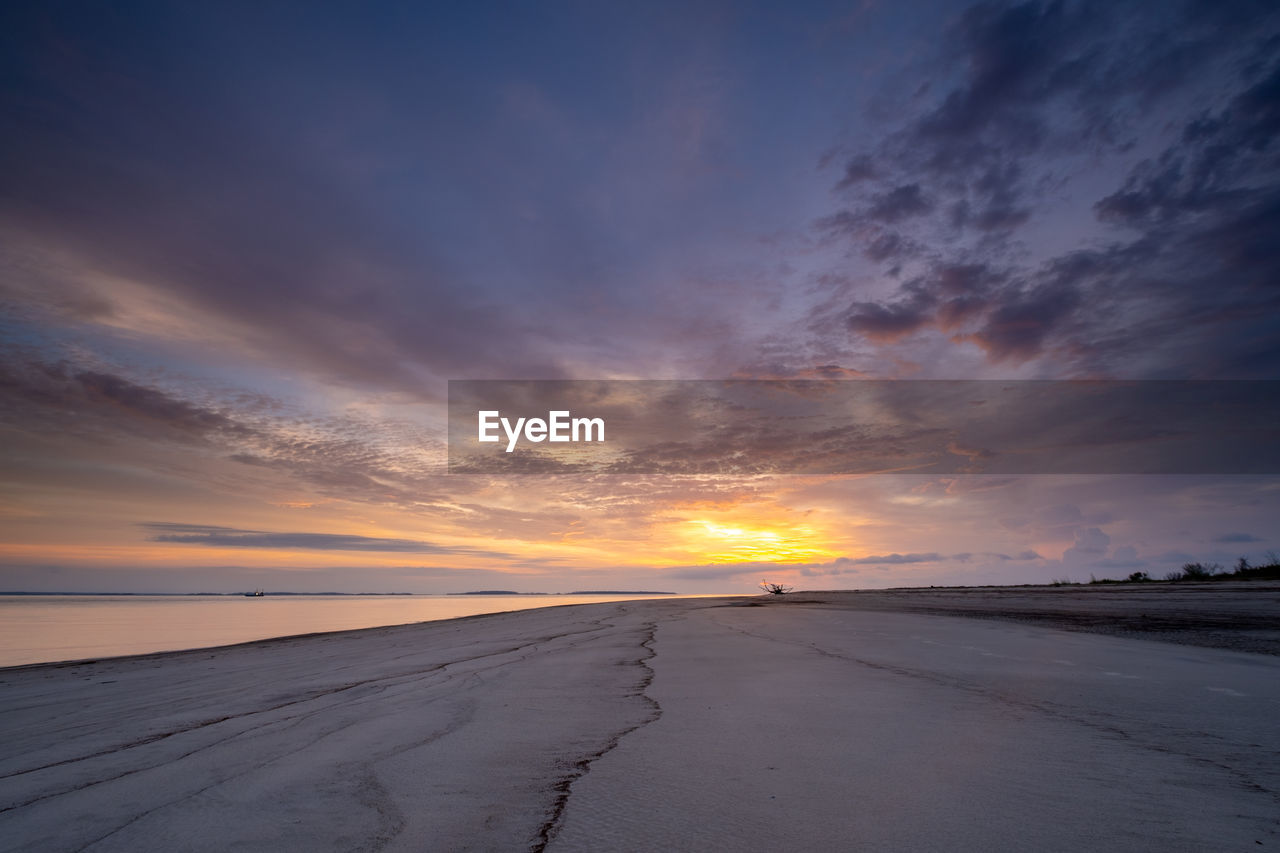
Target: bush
<point x="1244" y="570"/>
<point x="1269" y="570"/>
<point x="1196" y="572"/>
<point x="1199" y="571"/>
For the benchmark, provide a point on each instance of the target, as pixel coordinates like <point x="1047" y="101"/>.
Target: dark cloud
<point x="1227" y="538"/>
<point x="898" y="204"/>
<point x="1017" y="327"/>
<point x="947" y="297"/>
<point x="1015" y="58"/>
<point x="870" y="224"/>
<point x="857" y="170"/>
<point x="889" y="245"/>
<point x="1011" y="65"/>
<point x="39" y="395"/>
<point x="1179" y="278"/>
<point x="886" y="322"/>
<point x="1198" y="278"/>
<point x="155" y="405"/>
<point x="230" y="537"/>
<point x="1212" y="165"/>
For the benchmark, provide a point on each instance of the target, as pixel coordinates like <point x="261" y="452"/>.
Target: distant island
<point x="282" y="592"/>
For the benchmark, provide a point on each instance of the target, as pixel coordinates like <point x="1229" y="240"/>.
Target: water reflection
<point x="40" y="628"/>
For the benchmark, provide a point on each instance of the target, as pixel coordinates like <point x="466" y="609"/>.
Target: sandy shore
<point x="826" y="721"/>
<point x="1239" y="615"/>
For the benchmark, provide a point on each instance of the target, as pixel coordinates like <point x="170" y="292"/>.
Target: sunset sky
<point x="244" y="246"/>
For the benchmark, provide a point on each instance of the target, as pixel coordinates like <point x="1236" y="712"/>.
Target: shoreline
<point x="58" y="630"/>
<point x="1245" y="615"/>
<point x="263" y="642"/>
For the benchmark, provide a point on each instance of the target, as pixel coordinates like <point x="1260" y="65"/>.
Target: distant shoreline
<point x="210" y="594"/>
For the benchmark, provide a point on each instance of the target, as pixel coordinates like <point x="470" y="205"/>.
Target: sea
<point x="50" y="628"/>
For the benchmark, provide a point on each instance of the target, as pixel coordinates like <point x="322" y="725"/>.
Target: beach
<point x="811" y="721"/>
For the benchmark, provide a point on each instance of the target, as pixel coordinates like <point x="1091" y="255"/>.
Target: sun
<point x="740" y="542"/>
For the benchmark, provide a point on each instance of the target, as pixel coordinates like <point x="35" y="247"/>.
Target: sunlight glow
<point x="715" y="542"/>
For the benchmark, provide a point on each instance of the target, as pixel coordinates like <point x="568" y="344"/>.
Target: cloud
<point x="1090" y="546"/>
<point x="148" y="403"/>
<point x="1171" y="279"/>
<point x="1124" y="558"/>
<point x="1011" y="66"/>
<point x="1207" y="166"/>
<point x="886" y="560"/>
<point x="1227" y="538"/>
<point x="858" y="169"/>
<point x="279" y="241"/>
<point x="838" y="566"/>
<point x="886" y="323"/>
<point x="899" y="203"/>
<point x="379" y="460"/>
<point x="850" y="565"/>
<point x="947" y="296"/>
<point x="231" y="537"/>
<point x="1018" y="326"/>
<point x="1022" y="556"/>
<point x="724" y="571"/>
<point x="40" y="395"/>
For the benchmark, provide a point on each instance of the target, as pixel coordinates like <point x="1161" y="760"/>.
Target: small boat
<point x="257" y="593"/>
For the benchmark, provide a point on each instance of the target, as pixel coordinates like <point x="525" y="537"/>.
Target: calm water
<point x="42" y="628"/>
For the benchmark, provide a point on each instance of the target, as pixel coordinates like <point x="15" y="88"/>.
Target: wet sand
<point x="807" y="722"/>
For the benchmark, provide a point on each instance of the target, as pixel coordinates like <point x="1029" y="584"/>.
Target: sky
<point x="244" y="247"/>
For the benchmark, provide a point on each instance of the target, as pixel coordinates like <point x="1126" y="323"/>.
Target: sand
<point x="831" y="721"/>
<point x="1240" y="615"/>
